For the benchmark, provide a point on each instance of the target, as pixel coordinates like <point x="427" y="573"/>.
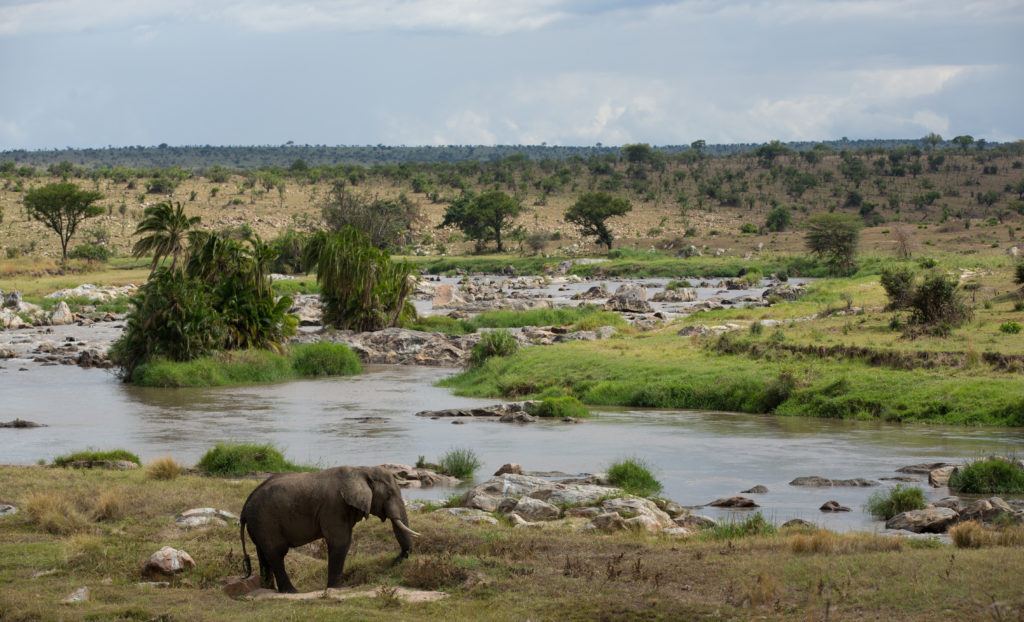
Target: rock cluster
<point x="629" y="298"/>
<point x="417" y="477"/>
<point x="510" y="412"/>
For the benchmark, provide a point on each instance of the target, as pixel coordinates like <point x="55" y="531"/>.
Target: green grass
<point x="988" y="476"/>
<point x="667" y="371"/>
<point x="291" y="287"/>
<point x="228" y="459"/>
<point x="584" y="317"/>
<point x="564" y="406"/>
<point x="460" y="463"/>
<point x="754" y="525"/>
<point x="497" y="343"/>
<point x="634" y="476"/>
<point x="883" y="505"/>
<point x="92" y="455"/>
<point x="120" y="304"/>
<point x="250" y="367"/>
<point x="324" y="359"/>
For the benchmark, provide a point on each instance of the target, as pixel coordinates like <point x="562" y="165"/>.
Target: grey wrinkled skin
<point x="293" y="509"/>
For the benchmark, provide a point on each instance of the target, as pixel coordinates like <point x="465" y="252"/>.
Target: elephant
<point x="292" y="509"/>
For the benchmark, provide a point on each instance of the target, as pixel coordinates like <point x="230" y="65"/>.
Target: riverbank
<point x="482" y="571"/>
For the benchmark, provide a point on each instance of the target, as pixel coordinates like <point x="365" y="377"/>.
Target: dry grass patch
<point x="55" y="513"/>
<point x="163" y="469"/>
<point x="974" y="535"/>
<point x="110" y="505"/>
<point x="830" y="543"/>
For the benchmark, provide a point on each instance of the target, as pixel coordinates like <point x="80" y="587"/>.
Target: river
<point x="369" y="419"/>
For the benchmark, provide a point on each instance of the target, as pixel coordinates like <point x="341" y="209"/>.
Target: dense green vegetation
<point x="492" y="344"/>
<point x="238" y="459"/>
<point x="989" y="476"/>
<point x="460" y="463"/>
<point x="884" y="504"/>
<point x="565" y="406"/>
<point x="634" y="476"/>
<point x="92" y="455"/>
<point x="249" y="367"/>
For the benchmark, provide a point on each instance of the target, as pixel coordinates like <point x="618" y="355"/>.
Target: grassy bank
<point x="250" y="367"/>
<point x="584" y="317"/>
<point x="489" y="572"/>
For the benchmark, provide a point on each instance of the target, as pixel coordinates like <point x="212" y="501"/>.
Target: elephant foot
<point x="401" y="556"/>
<point x="288" y="590"/>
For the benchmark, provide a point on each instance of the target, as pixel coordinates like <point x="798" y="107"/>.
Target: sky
<point x="92" y="73"/>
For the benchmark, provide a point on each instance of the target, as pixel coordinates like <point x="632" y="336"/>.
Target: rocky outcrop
<point x="993" y="509"/>
<point x="204" y="517"/>
<point x="928" y="520"/>
<point x="833" y="506"/>
<point x="597" y="292"/>
<point x="306" y="307"/>
<point x="167" y="562"/>
<point x="629" y="298"/>
<point x="417" y="477"/>
<point x="682" y="294"/>
<point x="510" y="412"/>
<point x="61" y="315"/>
<point x="469" y="515"/>
<point x="95" y="293"/>
<point x="784" y="291"/>
<point x="818" y="481"/>
<point x="532" y="509"/>
<point x="400" y="346"/>
<point x="937" y="478"/>
<point x="446" y="296"/>
<point x="512" y="468"/>
<point x="923" y="468"/>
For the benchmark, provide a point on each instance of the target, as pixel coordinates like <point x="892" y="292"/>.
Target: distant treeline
<point x="195" y="157"/>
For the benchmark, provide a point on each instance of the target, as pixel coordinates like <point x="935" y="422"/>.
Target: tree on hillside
<point x="769" y="151"/>
<point x="591" y="213"/>
<point x="62" y="207"/>
<point x="834" y="237"/>
<point x="483" y="217"/>
<point x="964" y="141"/>
<point x="779" y="219"/>
<point x="639" y="153"/>
<point x="165" y="228"/>
<point x="933" y="140"/>
<point x="387" y="222"/>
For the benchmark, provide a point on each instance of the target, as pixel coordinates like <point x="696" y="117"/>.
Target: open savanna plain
<point x="96" y="528"/>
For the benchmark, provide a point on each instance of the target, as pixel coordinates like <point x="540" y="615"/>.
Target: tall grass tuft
<point x="460" y="463"/>
<point x="754" y="525"/>
<point x="324" y="359"/>
<point x="884" y="505"/>
<point x="494" y="343"/>
<point x="989" y="476"/>
<point x="163" y="469"/>
<point x="634" y="476"/>
<point x="245" y="459"/>
<point x="55" y="513"/>
<point x="973" y="535"/>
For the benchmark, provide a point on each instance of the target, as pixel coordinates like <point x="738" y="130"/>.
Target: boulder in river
<point x="733" y="502"/>
<point x="21" y="424"/>
<point x="756" y="490"/>
<point x="509" y="468"/>
<point x="928" y="520"/>
<point x="61" y="315"/>
<point x="937" y="478"/>
<point x="817" y="481"/>
<point x="629" y="298"/>
<point x="923" y="468"/>
<point x="993" y="509"/>
<point x="833" y="506"/>
<point x="597" y="292"/>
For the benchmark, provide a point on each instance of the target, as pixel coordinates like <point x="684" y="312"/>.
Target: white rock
<point x="78" y="596"/>
<point x="168" y="561"/>
<point x="61" y="315"/>
<point x="536" y="510"/>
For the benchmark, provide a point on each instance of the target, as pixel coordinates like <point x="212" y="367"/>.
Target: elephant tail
<point x="246" y="561"/>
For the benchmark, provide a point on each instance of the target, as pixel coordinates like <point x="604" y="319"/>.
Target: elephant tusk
<point x="405" y="528"/>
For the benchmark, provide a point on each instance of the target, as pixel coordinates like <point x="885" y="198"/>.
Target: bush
<point x="634" y="476"/>
<point x="677" y="284"/>
<point x="779" y="219"/>
<point x="936" y="302"/>
<point x="387" y="223"/>
<point x="288" y="249"/>
<point x="460" y="463"/>
<point x="324" y="359"/>
<point x="91" y="455"/>
<point x="245" y="459"/>
<point x="1010" y="328"/>
<point x="90" y="252"/>
<point x="749" y="228"/>
<point x="988" y="476"/>
<point x="493" y="343"/>
<point x="884" y="505"/>
<point x="1018" y="274"/>
<point x="163" y="469"/>
<point x="898" y="284"/>
<point x="565" y="407"/>
<point x="753" y="525"/>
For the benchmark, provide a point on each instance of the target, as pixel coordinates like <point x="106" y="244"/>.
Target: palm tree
<point x="166" y="227"/>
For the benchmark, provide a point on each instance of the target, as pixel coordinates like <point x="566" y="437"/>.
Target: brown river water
<point x="369" y="419"/>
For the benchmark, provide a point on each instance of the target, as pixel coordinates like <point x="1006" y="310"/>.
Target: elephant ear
<point x="357" y="492"/>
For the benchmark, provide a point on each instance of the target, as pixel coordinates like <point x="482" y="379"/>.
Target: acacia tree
<point x="483" y="217"/>
<point x="834" y="238"/>
<point x="62" y="207"/>
<point x="591" y="213"/>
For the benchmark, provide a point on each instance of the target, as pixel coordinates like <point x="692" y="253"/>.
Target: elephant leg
<point x="336" y="554"/>
<point x="266" y="578"/>
<point x="276" y="563"/>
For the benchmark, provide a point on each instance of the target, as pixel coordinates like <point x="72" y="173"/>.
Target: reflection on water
<point x="369" y="419"/>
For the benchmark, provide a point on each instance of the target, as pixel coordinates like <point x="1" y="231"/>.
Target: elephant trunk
<point x="400" y="525"/>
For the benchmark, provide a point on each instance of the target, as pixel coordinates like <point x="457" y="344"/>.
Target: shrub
<point x="564" y="406"/>
<point x="884" y="505"/>
<point x="493" y="343"/>
<point x="898" y="284"/>
<point x="1018" y="274"/>
<point x="937" y="302"/>
<point x="634" y="476"/>
<point x="288" y="250"/>
<point x="361" y="288"/>
<point x="91" y="455"/>
<point x="433" y="573"/>
<point x="834" y="238"/>
<point x="163" y="469"/>
<point x="988" y="476"/>
<point x="677" y="284"/>
<point x="324" y="359"/>
<point x="245" y="459"/>
<point x="749" y="228"/>
<point x="90" y="252"/>
<point x="753" y="525"/>
<point x="460" y="463"/>
<point x="1010" y="328"/>
<point x="387" y="223"/>
<point x="779" y="219"/>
